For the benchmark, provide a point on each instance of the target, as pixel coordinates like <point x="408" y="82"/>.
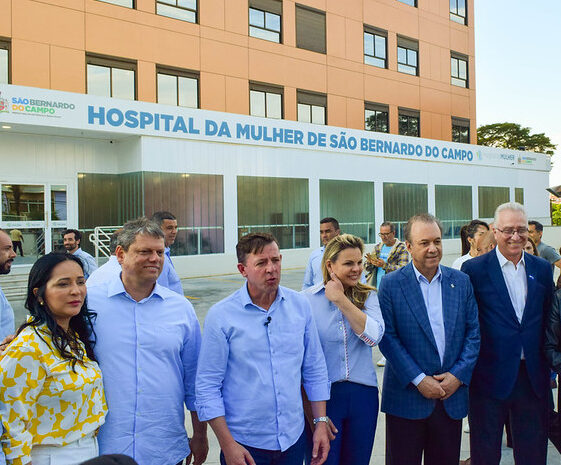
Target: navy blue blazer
<point x="410" y="348"/>
<point x="502" y="336"/>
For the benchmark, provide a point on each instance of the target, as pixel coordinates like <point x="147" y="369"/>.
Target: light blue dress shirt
<point x="168" y="277"/>
<point x="148" y="353"/>
<point x="313" y="274"/>
<point x="253" y="363"/>
<point x="432" y="295"/>
<point x="6" y="317"/>
<point x="87" y="261"/>
<point x="348" y="355"/>
<point x="106" y="272"/>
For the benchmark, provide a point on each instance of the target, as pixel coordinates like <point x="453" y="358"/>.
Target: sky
<point x="518" y="67"/>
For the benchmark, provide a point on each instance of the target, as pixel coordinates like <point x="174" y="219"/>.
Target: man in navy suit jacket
<point x="513" y="291"/>
<point x="431" y="344"/>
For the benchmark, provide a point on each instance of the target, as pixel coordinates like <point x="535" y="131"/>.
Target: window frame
<point x="266" y="89"/>
<point x="461" y="123"/>
<point x="181" y="8"/>
<point x="409" y="45"/>
<point x="298" y="7"/>
<point x="377" y="108"/>
<point x="6" y="44"/>
<point x="112" y="2"/>
<point x="409" y="113"/>
<point x="263" y="7"/>
<point x="457" y="18"/>
<point x="463" y="58"/>
<point x="178" y="72"/>
<point x="375" y="32"/>
<point x="310" y="98"/>
<point x="406" y="2"/>
<point x="112" y="62"/>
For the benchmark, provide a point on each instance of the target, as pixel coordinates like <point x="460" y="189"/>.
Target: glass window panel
<point x="406" y="69"/>
<point x="304" y="113"/>
<point x="264" y="34"/>
<point x="272" y="21"/>
<point x="352" y="204"/>
<point x="127" y="3"/>
<point x="257" y="103"/>
<point x="176" y="13"/>
<point x="58" y="203"/>
<point x="23" y="202"/>
<point x="123" y="83"/>
<point x="380" y="63"/>
<point x="380" y="46"/>
<point x="274" y="105"/>
<point x="402" y="201"/>
<point x="167" y="89"/>
<point x="519" y="195"/>
<point x="99" y="80"/>
<point x="458" y="82"/>
<point x="188" y="92"/>
<point x="318" y="115"/>
<point x="452" y="6"/>
<point x="279" y="206"/>
<point x="256" y="17"/>
<point x="453" y="208"/>
<point x="462" y="69"/>
<point x="190" y="4"/>
<point x="3" y="66"/>
<point x="412" y="57"/>
<point x="490" y="198"/>
<point x="169" y="2"/>
<point x="368" y="44"/>
<point x="454" y="66"/>
<point x="401" y="55"/>
<point x="462" y="8"/>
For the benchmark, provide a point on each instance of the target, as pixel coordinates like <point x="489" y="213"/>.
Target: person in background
<point x="349" y="321"/>
<point x="168" y="277"/>
<point x="71" y="239"/>
<point x="109" y="269"/>
<point x="328" y="229"/>
<point x="471" y="235"/>
<point x="531" y="248"/>
<point x="17" y="239"/>
<point x="487" y="242"/>
<point x="535" y="229"/>
<point x="51" y="392"/>
<point x="7" y="256"/>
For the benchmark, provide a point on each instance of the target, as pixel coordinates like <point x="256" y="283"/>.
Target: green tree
<point x="513" y="136"/>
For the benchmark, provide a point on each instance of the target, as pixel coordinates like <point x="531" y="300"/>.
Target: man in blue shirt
<point x="168" y="277"/>
<point x="110" y="268"/>
<point x="260" y="345"/>
<point x="71" y="240"/>
<point x="147" y="344"/>
<point x="328" y="229"/>
<point x="7" y="256"/>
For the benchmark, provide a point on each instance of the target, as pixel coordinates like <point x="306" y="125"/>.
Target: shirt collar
<point x="503" y="260"/>
<point x="420" y="277"/>
<point x="246" y="298"/>
<point x="117" y="287"/>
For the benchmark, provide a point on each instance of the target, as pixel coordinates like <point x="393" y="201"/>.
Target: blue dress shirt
<point x="106" y="272"/>
<point x="148" y="353"/>
<point x="432" y="295"/>
<point x="168" y="277"/>
<point x="253" y="363"/>
<point x="313" y="274"/>
<point x="348" y="355"/>
<point x="6" y="317"/>
<point x="87" y="261"/>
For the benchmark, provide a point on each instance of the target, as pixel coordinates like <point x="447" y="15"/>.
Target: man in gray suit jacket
<point x="431" y="345"/>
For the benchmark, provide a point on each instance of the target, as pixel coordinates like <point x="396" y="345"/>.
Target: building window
<point x="176" y="87"/>
<point x="409" y="123"/>
<point x="458" y="11"/>
<point x="312" y="108"/>
<point x="375" y="43"/>
<point x="310" y="29"/>
<point x="519" y="195"/>
<point x="4" y="62"/>
<point x="459" y="70"/>
<point x="352" y="203"/>
<point x="407" y="56"/>
<point x="279" y="206"/>
<point x="185" y="10"/>
<point x="402" y="201"/>
<point x="265" y="101"/>
<point x="110" y="77"/>
<point x="265" y="19"/>
<point x="460" y="130"/>
<point x="376" y="117"/>
<point x="125" y="3"/>
<point x="409" y="2"/>
<point x="490" y="198"/>
<point x="453" y="208"/>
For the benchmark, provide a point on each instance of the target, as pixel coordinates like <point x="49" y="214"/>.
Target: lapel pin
<point x="530" y="276"/>
<point x="452" y="285"/>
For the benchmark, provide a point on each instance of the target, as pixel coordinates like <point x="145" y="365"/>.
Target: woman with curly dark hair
<point x="51" y="392"/>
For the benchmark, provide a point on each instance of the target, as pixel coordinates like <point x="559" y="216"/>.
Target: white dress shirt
<point x="516" y="282"/>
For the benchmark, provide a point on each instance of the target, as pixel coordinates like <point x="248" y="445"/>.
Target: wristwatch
<point x="321" y="419"/>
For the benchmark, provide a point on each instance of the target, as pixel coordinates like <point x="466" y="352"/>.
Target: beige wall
<point x="51" y="37"/>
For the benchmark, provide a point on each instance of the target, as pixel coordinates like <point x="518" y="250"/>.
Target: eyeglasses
<point x="385" y="234"/>
<point x="509" y="232"/>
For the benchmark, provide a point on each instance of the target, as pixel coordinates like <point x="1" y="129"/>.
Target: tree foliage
<point x="513" y="136"/>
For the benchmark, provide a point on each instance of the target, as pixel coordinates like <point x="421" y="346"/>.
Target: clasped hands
<point x="439" y="386"/>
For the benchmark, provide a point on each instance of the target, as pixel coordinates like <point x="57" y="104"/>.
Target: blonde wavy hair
<point x="356" y="294"/>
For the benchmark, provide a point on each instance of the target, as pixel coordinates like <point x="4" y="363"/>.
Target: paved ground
<point x="204" y="292"/>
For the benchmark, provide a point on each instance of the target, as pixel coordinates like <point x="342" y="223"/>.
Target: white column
<point x="314" y="209"/>
<point x="230" y="213"/>
<point x="475" y="201"/>
<point x="431" y="198"/>
<point x="378" y="209"/>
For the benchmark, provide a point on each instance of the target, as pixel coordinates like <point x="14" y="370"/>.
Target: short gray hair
<point x="131" y="229"/>
<point x="510" y="206"/>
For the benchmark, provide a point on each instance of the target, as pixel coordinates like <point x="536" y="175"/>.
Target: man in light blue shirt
<point x="260" y="345"/>
<point x="168" y="277"/>
<point x="7" y="256"/>
<point x="71" y="240"/>
<point x="110" y="269"/>
<point x="328" y="229"/>
<point x="147" y="344"/>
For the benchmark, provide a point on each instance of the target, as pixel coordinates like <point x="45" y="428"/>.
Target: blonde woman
<point x="51" y="392"/>
<point x="349" y="323"/>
